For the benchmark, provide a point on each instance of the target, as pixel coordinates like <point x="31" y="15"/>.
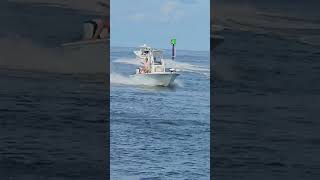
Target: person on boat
<point x="146" y="65"/>
<point x="141" y="70"/>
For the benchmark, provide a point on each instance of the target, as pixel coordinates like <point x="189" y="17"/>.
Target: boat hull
<point x="155" y="79"/>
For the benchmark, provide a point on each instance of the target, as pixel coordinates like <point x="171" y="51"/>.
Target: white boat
<point x="154" y="71"/>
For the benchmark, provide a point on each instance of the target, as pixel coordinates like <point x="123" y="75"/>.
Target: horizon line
<point x="161" y="48"/>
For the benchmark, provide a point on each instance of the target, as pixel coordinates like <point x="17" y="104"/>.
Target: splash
<point x="116" y="78"/>
<point x="131" y="61"/>
<point x="178" y="83"/>
<point x="187" y="67"/>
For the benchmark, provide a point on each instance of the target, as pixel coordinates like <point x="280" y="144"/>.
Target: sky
<point x="155" y="22"/>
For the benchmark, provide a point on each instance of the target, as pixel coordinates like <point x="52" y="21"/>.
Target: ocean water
<point x="160" y="132"/>
<point x="52" y="126"/>
<point x="53" y="104"/>
<point x="266" y="102"/>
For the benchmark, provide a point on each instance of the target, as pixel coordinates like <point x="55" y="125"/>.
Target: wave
<point x="131" y="61"/>
<point x="187" y="67"/>
<point x="311" y="40"/>
<point x="116" y="78"/>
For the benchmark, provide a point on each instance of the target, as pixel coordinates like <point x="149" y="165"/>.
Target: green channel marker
<point x="173" y="41"/>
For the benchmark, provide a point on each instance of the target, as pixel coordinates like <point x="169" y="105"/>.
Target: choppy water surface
<point x="52" y="126"/>
<point x="53" y="100"/>
<point x="160" y="133"/>
<point x="266" y="108"/>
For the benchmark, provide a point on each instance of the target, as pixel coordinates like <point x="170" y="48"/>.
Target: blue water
<point x="52" y="126"/>
<point x="160" y="133"/>
<point x="52" y="115"/>
<point x="266" y="122"/>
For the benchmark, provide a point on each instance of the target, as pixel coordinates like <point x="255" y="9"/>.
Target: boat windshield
<point x="157" y="56"/>
<point x="157" y="60"/>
